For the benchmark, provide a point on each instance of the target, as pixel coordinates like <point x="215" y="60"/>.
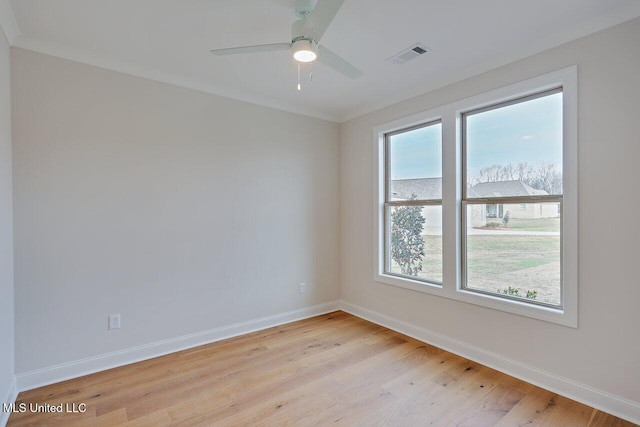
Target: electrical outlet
<point x="114" y="321"/>
<point x="303" y="288"/>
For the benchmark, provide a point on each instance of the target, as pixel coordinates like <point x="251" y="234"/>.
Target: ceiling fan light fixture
<point x="305" y="51"/>
<point x="315" y="17"/>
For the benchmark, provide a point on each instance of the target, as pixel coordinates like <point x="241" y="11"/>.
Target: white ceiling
<point x="169" y="40"/>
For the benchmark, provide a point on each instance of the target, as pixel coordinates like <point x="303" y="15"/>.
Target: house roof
<point x="423" y="188"/>
<point x="505" y="189"/>
<point x="431" y="189"/>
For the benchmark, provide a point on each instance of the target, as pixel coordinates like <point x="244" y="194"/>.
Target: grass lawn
<point x="538" y="224"/>
<point x="528" y="263"/>
<point x="493" y="255"/>
<point x="499" y="261"/>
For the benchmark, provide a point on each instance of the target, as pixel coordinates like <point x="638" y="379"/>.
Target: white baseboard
<point x="602" y="400"/>
<point x="78" y="368"/>
<point x="599" y="399"/>
<point x="10" y="397"/>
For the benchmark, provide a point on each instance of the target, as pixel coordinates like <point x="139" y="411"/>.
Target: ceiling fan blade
<point x="332" y="60"/>
<point x="252" y="49"/>
<point x="319" y="19"/>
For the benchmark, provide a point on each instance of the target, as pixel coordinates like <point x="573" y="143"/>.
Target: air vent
<point x="408" y="54"/>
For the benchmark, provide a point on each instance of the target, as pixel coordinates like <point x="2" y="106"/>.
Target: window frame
<point x="450" y="116"/>
<point x="502" y="200"/>
<point x="389" y="204"/>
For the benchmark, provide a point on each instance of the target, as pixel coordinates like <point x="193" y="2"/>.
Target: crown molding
<point x="8" y="22"/>
<point x="10" y="27"/>
<point x="86" y="57"/>
<point x="616" y="16"/>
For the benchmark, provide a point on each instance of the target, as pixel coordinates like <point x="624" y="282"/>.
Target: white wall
<point x="185" y="212"/>
<point x="6" y="231"/>
<point x="603" y="353"/>
<point x="180" y="210"/>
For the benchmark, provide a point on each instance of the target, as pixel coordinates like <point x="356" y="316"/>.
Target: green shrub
<point x="517" y="292"/>
<point x="505" y="218"/>
<point x="510" y="291"/>
<point x="532" y="295"/>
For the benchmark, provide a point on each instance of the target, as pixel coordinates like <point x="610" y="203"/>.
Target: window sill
<point x="558" y="316"/>
<point x="406" y="283"/>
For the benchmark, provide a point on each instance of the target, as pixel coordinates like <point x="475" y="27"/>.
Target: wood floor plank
<point x="441" y="396"/>
<point x="567" y="411"/>
<point x="601" y="419"/>
<point x="527" y="411"/>
<point x="331" y="369"/>
<point x="422" y="378"/>
<point x="114" y="418"/>
<point x="185" y="381"/>
<point x="159" y="418"/>
<point x="491" y="409"/>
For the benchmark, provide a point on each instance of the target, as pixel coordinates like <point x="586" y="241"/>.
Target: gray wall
<point x="6" y="229"/>
<point x="180" y="210"/>
<point x="604" y="351"/>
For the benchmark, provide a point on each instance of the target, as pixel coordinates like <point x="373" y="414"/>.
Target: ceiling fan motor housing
<point x="297" y="30"/>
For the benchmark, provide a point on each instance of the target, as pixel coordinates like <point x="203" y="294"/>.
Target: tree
<point x="541" y="176"/>
<point x="407" y="244"/>
<point x="547" y="178"/>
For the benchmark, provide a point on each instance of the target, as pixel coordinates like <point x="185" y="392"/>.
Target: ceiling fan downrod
<point x="304" y="8"/>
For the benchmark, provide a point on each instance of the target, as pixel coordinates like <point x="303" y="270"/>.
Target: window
<point x="513" y="158"/>
<point x="413" y="203"/>
<point x="477" y="200"/>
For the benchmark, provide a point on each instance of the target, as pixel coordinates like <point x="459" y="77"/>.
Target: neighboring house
<point x="422" y="189"/>
<point x="510" y="189"/>
<point x="431" y="189"/>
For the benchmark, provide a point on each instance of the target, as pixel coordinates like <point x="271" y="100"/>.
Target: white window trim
<point x="450" y="116"/>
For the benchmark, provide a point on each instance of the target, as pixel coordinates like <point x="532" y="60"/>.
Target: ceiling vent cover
<point x="409" y="54"/>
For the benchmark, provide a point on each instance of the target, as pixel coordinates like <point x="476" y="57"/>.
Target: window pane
<point x="514" y="250"/>
<point x="415" y="164"/>
<point x="414" y="246"/>
<point x="515" y="150"/>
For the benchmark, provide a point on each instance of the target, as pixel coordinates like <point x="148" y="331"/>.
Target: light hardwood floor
<point x="333" y="369"/>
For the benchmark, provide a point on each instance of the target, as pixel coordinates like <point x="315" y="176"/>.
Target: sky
<point x="527" y="132"/>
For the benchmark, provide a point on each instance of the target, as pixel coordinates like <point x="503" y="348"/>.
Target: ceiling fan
<point x="305" y="36"/>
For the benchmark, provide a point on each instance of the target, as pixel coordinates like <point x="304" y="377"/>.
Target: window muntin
<point x="413" y="203"/>
<point x="512" y="200"/>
